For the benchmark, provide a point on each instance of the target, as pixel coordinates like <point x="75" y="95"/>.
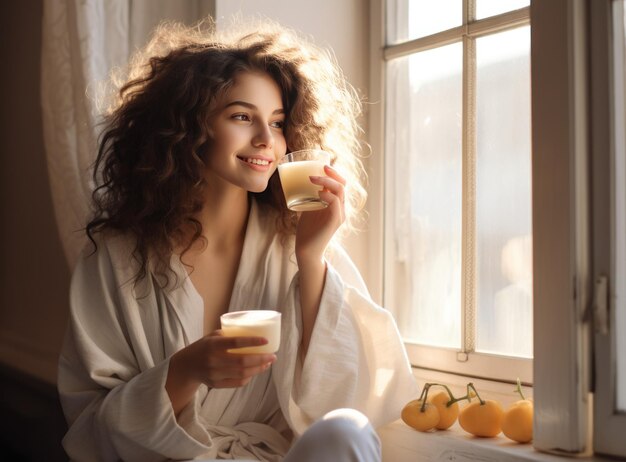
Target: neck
<point x="224" y="217"/>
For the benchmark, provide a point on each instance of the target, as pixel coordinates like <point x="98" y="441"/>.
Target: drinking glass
<point x="294" y="170"/>
<point x="253" y="323"/>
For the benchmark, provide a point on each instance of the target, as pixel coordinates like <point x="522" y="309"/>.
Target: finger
<point x="238" y="360"/>
<point x="331" y="199"/>
<point x="247" y="360"/>
<point x="330" y="184"/>
<point x="241" y="373"/>
<point x="226" y="343"/>
<point x="229" y="383"/>
<point x="333" y="173"/>
<point x="234" y="375"/>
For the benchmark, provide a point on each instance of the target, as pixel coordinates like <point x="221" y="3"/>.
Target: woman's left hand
<point x="316" y="228"/>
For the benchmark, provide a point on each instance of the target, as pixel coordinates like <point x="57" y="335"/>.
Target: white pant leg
<point x="343" y="435"/>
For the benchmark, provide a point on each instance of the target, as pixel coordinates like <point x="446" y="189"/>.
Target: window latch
<point x="601" y="305"/>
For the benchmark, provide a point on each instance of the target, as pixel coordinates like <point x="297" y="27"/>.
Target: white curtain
<point x="82" y="41"/>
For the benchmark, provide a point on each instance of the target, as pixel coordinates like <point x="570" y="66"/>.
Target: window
<point x="457" y="187"/>
<point x="578" y="204"/>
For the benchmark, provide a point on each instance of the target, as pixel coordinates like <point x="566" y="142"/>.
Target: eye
<point x="278" y="124"/>
<point x="241" y="117"/>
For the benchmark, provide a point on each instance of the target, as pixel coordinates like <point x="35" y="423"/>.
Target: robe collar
<point x="186" y="300"/>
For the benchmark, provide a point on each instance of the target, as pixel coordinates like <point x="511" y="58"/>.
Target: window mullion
<point x="469" y="11"/>
<point x="429" y="42"/>
<point x="468" y="285"/>
<point x="500" y="23"/>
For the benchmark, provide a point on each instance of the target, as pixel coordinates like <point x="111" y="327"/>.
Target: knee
<point x="346" y="429"/>
<point x="348" y="421"/>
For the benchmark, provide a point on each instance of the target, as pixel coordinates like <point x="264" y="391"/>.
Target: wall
<point x="34" y="279"/>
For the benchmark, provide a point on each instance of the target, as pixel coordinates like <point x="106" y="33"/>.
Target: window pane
<point x="503" y="194"/>
<point x="411" y="19"/>
<point x="424" y="151"/>
<point x="486" y="8"/>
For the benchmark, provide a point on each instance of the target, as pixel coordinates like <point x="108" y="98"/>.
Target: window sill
<point x="403" y="444"/>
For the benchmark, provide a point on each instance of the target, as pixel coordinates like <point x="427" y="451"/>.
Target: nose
<point x="263" y="137"/>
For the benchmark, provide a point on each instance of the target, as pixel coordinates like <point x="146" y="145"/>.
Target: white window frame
<point x="607" y="65"/>
<point x="466" y="361"/>
<point x="561" y="260"/>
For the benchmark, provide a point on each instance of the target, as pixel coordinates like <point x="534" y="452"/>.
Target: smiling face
<point x="248" y="134"/>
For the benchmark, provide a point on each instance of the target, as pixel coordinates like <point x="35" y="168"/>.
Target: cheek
<point x="280" y="145"/>
<point x="232" y="137"/>
<point x="220" y="147"/>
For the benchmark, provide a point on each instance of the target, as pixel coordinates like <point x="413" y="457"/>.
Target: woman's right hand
<point x="208" y="361"/>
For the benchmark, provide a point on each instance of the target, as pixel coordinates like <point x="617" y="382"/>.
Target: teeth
<point x="257" y="161"/>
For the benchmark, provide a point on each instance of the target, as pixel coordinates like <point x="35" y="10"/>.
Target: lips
<point x="256" y="163"/>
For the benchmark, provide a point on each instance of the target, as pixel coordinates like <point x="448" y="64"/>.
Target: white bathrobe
<point x="114" y="361"/>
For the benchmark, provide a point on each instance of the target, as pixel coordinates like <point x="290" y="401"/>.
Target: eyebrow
<point x="251" y="106"/>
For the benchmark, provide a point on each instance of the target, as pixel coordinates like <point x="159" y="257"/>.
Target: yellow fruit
<point x="447" y="414"/>
<point x="518" y="421"/>
<point x="413" y="416"/>
<point x="482" y="419"/>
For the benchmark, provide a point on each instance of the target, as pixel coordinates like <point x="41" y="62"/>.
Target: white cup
<point x="253" y="323"/>
<point x="294" y="170"/>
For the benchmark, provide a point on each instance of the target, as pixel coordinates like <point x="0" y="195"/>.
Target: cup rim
<point x="286" y="157"/>
<point x="271" y="315"/>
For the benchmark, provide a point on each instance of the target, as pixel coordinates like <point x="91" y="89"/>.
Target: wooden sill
<point x="403" y="444"/>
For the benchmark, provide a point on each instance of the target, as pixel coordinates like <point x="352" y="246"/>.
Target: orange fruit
<point x="447" y="414"/>
<point x="482" y="419"/>
<point x="518" y="421"/>
<point x="413" y="416"/>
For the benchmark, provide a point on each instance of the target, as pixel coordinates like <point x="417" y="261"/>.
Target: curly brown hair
<point x="149" y="172"/>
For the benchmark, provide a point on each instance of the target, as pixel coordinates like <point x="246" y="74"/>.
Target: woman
<point x="190" y="223"/>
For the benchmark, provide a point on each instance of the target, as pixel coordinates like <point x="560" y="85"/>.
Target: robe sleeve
<point x="115" y="408"/>
<point x="356" y="358"/>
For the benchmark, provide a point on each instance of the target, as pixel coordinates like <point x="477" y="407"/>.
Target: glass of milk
<point x="294" y="170"/>
<point x="253" y="323"/>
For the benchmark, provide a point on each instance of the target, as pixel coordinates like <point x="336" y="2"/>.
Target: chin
<point x="257" y="188"/>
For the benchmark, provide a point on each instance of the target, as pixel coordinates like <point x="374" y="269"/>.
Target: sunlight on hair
<point x="160" y="107"/>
